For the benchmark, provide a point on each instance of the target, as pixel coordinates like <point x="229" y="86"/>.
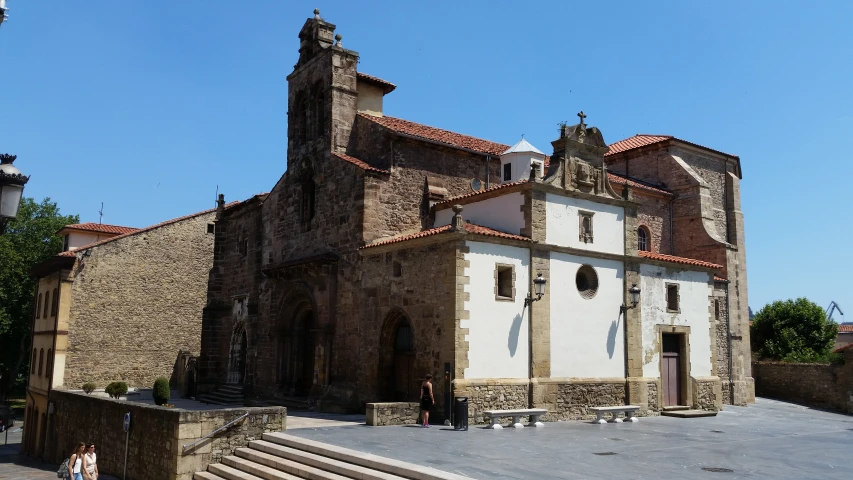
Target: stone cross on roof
<point x="582" y="117"/>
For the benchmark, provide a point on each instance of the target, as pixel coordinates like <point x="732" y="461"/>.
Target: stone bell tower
<point x="322" y="98"/>
<point x="578" y="160"/>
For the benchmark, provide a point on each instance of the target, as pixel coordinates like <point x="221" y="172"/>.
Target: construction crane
<point x="831" y="309"/>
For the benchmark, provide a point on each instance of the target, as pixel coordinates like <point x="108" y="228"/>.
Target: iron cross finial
<point x="582" y="116"/>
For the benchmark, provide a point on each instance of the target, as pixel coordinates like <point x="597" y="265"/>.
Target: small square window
<point x="211" y="227"/>
<point x="504" y="282"/>
<point x="507" y="172"/>
<point x="398" y="269"/>
<point x="671" y="297"/>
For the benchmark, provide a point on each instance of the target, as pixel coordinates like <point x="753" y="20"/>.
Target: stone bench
<point x="534" y="413"/>
<point x="614" y="413"/>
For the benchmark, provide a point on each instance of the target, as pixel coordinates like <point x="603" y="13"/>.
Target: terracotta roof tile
<point x="642" y="140"/>
<point x="843" y="348"/>
<point x="474" y="194"/>
<point x="469" y="227"/>
<point x="438" y="135"/>
<point x="385" y="84"/>
<point x="99" y="228"/>
<point x="845" y="328"/>
<point x="681" y="260"/>
<point x="719" y="279"/>
<point x="619" y="179"/>
<point x="361" y="164"/>
<point x="72" y="253"/>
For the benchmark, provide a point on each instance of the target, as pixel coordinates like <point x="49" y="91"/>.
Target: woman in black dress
<point x="427" y="400"/>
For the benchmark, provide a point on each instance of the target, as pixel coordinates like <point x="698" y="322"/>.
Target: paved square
<point x="767" y="440"/>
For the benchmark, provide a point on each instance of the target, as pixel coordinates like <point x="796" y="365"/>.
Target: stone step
<point x="230" y="473"/>
<point x="291" y="467"/>
<point x="307" y="458"/>
<point x="236" y="389"/>
<point x="674" y="408"/>
<point x="258" y="469"/>
<point x="206" y="476"/>
<point x="368" y="460"/>
<point x="688" y="413"/>
<point x="217" y="399"/>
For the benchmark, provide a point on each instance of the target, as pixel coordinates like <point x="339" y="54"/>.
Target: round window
<point x="587" y="281"/>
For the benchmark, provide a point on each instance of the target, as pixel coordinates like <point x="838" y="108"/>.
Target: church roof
<point x="469" y="228"/>
<point x="386" y="86"/>
<point x="359" y="163"/>
<point x="622" y="180"/>
<point x="681" y="260"/>
<point x="642" y="140"/>
<point x="98" y="228"/>
<point x="438" y="135"/>
<point x="522" y="147"/>
<point x="474" y="194"/>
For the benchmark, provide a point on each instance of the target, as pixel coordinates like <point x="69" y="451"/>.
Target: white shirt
<point x="77" y="464"/>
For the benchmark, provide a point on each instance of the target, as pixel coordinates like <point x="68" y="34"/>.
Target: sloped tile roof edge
<point x="98" y="227"/>
<point x="643" y="140"/>
<point x="682" y="260"/>
<point x="622" y="180"/>
<point x="387" y="86"/>
<point x="359" y="163"/>
<point x="482" y="192"/>
<point x="437" y="135"/>
<point x="72" y="253"/>
<point x="469" y="227"/>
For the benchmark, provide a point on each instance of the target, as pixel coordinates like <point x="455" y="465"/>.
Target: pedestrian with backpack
<point x="73" y="465"/>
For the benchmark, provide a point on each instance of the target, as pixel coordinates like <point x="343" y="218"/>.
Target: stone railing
<point x="392" y="413"/>
<point x="157" y="434"/>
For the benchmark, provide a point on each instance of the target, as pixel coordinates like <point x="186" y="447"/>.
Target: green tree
<point x="28" y="240"/>
<point x="793" y="331"/>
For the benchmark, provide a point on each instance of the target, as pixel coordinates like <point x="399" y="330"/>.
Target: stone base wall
<point x="392" y="413"/>
<point x="491" y="394"/>
<point x="156" y="436"/>
<point x="570" y="399"/>
<point x="815" y="385"/>
<point x="707" y="393"/>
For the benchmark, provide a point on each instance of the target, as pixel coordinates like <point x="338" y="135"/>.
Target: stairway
<point x="227" y="395"/>
<point x="280" y="456"/>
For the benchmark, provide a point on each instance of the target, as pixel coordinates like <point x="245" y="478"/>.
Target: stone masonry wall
<point x="396" y="413"/>
<point x="570" y="400"/>
<point x="721" y="339"/>
<point x="815" y="385"/>
<point x="156" y="437"/>
<point x="136" y="303"/>
<point x="492" y="394"/>
<point x="653" y="213"/>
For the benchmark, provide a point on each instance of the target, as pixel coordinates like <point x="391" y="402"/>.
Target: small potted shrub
<point x="116" y="389"/>
<point x="161" y="391"/>
<point x="89" y="387"/>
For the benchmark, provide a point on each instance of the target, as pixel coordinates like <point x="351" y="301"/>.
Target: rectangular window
<point x="504" y="282"/>
<point x="65" y="243"/>
<point x="671" y="297"/>
<point x="211" y="228"/>
<point x="398" y="269"/>
<point x="507" y="172"/>
<point x="38" y="307"/>
<point x="585" y="226"/>
<point x="716" y="309"/>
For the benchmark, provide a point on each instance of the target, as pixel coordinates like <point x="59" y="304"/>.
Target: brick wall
<point x="815" y="385"/>
<point x="156" y="437"/>
<point x="136" y="303"/>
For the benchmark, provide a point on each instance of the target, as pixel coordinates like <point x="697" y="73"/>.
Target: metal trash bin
<point x="460" y="413"/>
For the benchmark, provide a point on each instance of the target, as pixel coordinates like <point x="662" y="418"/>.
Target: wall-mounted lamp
<point x="634" y="291"/>
<point x="538" y="288"/>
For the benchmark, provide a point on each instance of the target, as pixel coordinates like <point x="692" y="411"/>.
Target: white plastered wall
<point x="501" y="213"/>
<point x="587" y="335"/>
<point x="497" y="329"/>
<point x="562" y="224"/>
<point x="694" y="292"/>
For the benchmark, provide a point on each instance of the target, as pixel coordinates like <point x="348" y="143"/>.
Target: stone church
<point x="596" y="275"/>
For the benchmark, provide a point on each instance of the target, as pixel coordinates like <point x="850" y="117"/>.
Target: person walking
<point x="75" y="462"/>
<point x="427" y="400"/>
<point x="90" y="462"/>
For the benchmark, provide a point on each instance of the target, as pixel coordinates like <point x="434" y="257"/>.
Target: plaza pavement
<point x="14" y="466"/>
<point x="767" y="440"/>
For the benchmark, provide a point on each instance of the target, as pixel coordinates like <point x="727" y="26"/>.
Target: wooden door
<point x="671" y="371"/>
<point x="404" y="388"/>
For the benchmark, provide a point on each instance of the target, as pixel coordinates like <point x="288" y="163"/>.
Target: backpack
<point x="63" y="469"/>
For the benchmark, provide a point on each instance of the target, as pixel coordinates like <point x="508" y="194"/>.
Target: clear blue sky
<point x="148" y="106"/>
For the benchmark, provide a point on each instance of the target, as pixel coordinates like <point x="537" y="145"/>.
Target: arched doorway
<point x="296" y="342"/>
<point x="237" y="355"/>
<point x="397" y="380"/>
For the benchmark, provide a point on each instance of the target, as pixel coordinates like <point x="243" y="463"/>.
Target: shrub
<point x="161" y="391"/>
<point x="116" y="389"/>
<point x="793" y="331"/>
<point x="89" y="387"/>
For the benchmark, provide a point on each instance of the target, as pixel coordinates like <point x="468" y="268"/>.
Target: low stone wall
<point x="707" y="393"/>
<point x="812" y="384"/>
<point x="157" y="434"/>
<point x="491" y="394"/>
<point x="570" y="399"/>
<point x="392" y="413"/>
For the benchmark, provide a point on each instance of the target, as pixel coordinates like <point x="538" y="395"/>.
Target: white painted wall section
<point x="562" y="224"/>
<point x="694" y="292"/>
<point x="502" y="213"/>
<point x="587" y="335"/>
<point x="497" y="330"/>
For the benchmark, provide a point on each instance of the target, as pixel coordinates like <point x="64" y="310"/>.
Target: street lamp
<point x="12" y="183"/>
<point x="634" y="292"/>
<point x="538" y="288"/>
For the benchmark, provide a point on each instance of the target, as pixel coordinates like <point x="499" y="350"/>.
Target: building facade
<point x="356" y="275"/>
<point x="123" y="308"/>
